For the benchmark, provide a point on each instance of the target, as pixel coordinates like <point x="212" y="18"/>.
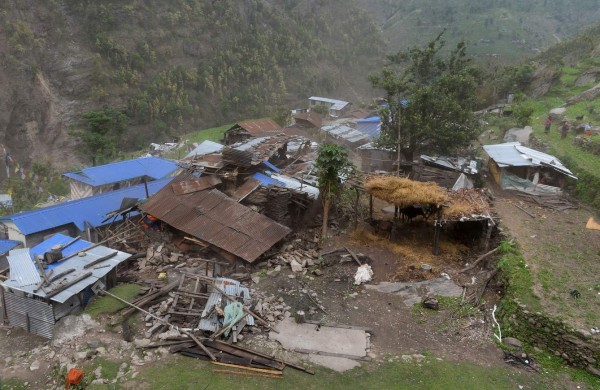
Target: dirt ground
<point x="562" y="254"/>
<point x="450" y="334"/>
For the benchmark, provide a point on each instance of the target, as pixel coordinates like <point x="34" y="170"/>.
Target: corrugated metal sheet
<point x="92" y="209"/>
<point x="22" y="270"/>
<point x="153" y="167"/>
<point x="204" y="148"/>
<point x="231" y="287"/>
<point x="347" y="133"/>
<point x="335" y="104"/>
<point x="249" y="186"/>
<point x="78" y="263"/>
<point x="29" y="314"/>
<point x="6" y="245"/>
<point x="189" y="186"/>
<point x="213" y="217"/>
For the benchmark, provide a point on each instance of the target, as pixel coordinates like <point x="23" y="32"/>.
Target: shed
<point x="110" y="177"/>
<point x="375" y="158"/>
<point x="308" y="120"/>
<point x="243" y="130"/>
<point x="515" y="166"/>
<point x="32" y="227"/>
<point x="36" y="307"/>
<point x="335" y="108"/>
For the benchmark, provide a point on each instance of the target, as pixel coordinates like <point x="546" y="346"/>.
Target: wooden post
<point x="488" y="235"/>
<point x="356" y="201"/>
<point x="437" y="232"/>
<point x="3" y="303"/>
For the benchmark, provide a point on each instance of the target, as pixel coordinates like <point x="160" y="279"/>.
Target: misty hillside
<point x="507" y="30"/>
<point x="173" y="66"/>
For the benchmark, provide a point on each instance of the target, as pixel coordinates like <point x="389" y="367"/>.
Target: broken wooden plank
<point x="353" y="255"/>
<point x="263" y="370"/>
<point x="247" y="374"/>
<point x="479" y="259"/>
<point x="525" y="211"/>
<point x="67" y="285"/>
<point x="101" y="259"/>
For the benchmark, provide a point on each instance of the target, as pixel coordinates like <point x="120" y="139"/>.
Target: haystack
<point x="467" y="203"/>
<point x="405" y="192"/>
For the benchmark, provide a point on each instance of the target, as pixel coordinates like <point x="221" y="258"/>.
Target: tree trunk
<point x="326" y="204"/>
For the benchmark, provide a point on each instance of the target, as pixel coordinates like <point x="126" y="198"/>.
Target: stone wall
<point x="577" y="347"/>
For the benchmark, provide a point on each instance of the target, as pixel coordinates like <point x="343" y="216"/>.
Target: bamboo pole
<point x="247" y="374"/>
<point x="263" y="370"/>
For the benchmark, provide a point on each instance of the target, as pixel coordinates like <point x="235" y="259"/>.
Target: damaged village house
<point x="200" y="234"/>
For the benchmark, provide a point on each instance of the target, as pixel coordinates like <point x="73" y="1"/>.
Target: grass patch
<point x="519" y="284"/>
<point x="109" y="371"/>
<point x="13" y="384"/>
<point x="214" y="134"/>
<point x="554" y="366"/>
<point x="431" y="374"/>
<point x="106" y="304"/>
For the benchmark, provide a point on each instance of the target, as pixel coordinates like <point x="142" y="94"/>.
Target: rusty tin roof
<point x="217" y="219"/>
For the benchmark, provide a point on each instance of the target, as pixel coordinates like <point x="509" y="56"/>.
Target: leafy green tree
<point x="100" y="138"/>
<point x="430" y="99"/>
<point x="332" y="164"/>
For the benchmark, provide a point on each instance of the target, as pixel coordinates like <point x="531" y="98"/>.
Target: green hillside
<point x="506" y="30"/>
<point x="174" y="67"/>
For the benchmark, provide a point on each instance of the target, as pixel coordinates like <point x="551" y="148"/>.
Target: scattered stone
<point x="296" y="267"/>
<point x="431" y="303"/>
<point x="593" y="370"/>
<point x="292" y="276"/>
<point x="511" y="341"/>
<point x="139" y="343"/>
<point x="35" y="365"/>
<point x="80" y="355"/>
<point x="318" y="272"/>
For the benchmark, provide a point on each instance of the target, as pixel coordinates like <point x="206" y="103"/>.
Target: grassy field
<point x="430" y="374"/>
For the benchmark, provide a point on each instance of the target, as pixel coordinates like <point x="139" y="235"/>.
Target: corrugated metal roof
<point x="58" y="239"/>
<point x="313" y="118"/>
<point x="336" y="104"/>
<point x="204" y="148"/>
<point x="271" y="166"/>
<point x="92" y="209"/>
<point x="78" y="263"/>
<point x="153" y="167"/>
<point x="258" y="127"/>
<point x="294" y="184"/>
<point x="22" y="270"/>
<point x="189" y="186"/>
<point x="516" y="155"/>
<point x="249" y="186"/>
<point x="266" y="180"/>
<point x="215" y="218"/>
<point x="6" y="245"/>
<point x="371" y="129"/>
<point x="345" y="132"/>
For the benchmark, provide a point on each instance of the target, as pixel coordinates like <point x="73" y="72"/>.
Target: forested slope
<point x="173" y="66"/>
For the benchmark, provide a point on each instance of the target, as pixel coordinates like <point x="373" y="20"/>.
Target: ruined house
<point x="242" y="131"/>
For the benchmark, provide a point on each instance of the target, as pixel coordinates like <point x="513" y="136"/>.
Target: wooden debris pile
<point x="405" y="192"/>
<point x="550" y="201"/>
<point x="466" y="203"/>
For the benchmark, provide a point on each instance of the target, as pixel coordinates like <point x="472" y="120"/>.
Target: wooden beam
<point x="263" y="370"/>
<point x="67" y="285"/>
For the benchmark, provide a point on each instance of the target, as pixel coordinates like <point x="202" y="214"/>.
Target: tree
<point x="332" y="164"/>
<point x="430" y="99"/>
<point x="104" y="129"/>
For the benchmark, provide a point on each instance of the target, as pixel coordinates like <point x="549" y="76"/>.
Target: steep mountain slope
<point x="508" y="30"/>
<point x="171" y="66"/>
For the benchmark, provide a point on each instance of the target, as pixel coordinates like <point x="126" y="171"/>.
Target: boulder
<point x="512" y="342"/>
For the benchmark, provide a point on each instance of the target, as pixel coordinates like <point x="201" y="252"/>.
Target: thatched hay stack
<point x="405" y="192"/>
<point x="465" y="203"/>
